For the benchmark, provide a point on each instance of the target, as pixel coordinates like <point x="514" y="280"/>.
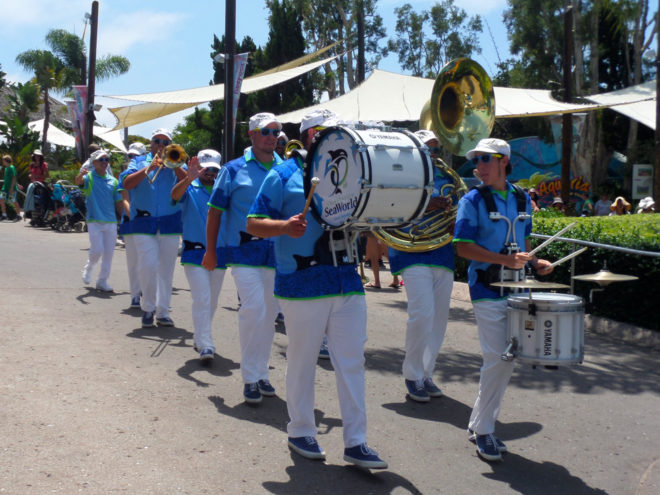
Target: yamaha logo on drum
<point x="337" y="168"/>
<point x="547" y="338"/>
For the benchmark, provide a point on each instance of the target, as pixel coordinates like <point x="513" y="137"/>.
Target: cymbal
<point x="605" y="277"/>
<point x="530" y="283"/>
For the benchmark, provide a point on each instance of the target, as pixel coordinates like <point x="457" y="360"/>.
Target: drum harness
<point x="496" y="272"/>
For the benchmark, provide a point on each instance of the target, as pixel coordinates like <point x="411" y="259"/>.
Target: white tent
<point x="643" y="110"/>
<point x="60" y="138"/>
<point x="386" y="96"/>
<point x="165" y="103"/>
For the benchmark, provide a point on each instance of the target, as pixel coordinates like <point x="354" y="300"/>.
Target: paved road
<point x="92" y="403"/>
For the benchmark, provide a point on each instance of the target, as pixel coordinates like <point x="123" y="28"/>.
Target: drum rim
<point x="307" y="175"/>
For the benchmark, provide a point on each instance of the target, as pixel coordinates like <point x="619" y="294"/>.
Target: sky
<point x="168" y="42"/>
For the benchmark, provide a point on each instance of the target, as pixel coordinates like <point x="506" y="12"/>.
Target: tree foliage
<point x="427" y="40"/>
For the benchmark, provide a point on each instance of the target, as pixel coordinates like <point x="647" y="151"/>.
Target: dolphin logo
<point x="337" y="168"/>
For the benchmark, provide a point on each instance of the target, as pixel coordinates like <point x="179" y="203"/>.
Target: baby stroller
<point x="43" y="205"/>
<point x="68" y="215"/>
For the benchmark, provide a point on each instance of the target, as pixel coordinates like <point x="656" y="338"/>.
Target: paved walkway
<point x="92" y="403"/>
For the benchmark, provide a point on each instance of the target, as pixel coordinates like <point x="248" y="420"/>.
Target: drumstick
<point x="315" y="182"/>
<point x="566" y="258"/>
<point x="544" y="244"/>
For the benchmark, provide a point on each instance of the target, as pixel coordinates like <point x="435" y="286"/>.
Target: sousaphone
<point x="461" y="111"/>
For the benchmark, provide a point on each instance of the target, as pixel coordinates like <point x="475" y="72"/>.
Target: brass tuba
<point x="292" y="145"/>
<point x="461" y="111"/>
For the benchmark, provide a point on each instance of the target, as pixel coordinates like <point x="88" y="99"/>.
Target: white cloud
<point x="24" y="14"/>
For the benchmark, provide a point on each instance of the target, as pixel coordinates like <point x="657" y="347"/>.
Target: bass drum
<point x="368" y="178"/>
<point x="547" y="329"/>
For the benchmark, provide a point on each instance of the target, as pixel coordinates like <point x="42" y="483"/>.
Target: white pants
<point x="156" y="258"/>
<point x="102" y="239"/>
<point x="429" y="292"/>
<point x="495" y="373"/>
<point x="344" y="321"/>
<point x="132" y="265"/>
<point x="256" y="319"/>
<point x="204" y="289"/>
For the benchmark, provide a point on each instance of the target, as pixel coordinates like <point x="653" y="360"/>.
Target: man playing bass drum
<point x="482" y="240"/>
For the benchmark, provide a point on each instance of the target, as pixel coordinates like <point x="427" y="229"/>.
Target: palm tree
<point x="71" y="50"/>
<point x="48" y="73"/>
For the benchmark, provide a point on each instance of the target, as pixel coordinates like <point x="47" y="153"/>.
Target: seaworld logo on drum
<point x="341" y="207"/>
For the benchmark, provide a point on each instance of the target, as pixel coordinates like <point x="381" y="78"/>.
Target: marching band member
<point x="103" y="204"/>
<point x="251" y="258"/>
<point x="156" y="227"/>
<point x="137" y="152"/>
<point x="317" y="299"/>
<point x="482" y="240"/>
<point x="428" y="279"/>
<point x="194" y="193"/>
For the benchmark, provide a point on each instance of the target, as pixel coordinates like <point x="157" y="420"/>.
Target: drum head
<point x="335" y="158"/>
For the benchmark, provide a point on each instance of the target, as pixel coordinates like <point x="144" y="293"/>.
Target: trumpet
<point x="173" y="156"/>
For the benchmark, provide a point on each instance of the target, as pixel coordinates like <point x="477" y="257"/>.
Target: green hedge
<point x="630" y="302"/>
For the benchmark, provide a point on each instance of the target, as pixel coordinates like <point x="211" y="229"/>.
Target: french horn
<point x="291" y="146"/>
<point x="461" y="111"/>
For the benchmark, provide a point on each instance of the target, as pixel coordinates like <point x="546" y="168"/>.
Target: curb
<point x="624" y="332"/>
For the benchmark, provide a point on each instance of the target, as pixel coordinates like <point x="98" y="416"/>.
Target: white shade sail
<point x="643" y="98"/>
<point x="58" y="137"/>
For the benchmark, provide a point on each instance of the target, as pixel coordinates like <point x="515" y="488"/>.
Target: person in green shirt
<point x="9" y="187"/>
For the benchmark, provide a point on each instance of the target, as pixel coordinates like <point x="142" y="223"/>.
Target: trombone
<point x="173" y="156"/>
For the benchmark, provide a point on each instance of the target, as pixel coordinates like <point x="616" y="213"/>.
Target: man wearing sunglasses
<point x="318" y="299"/>
<point x="103" y="202"/>
<point x="482" y="240"/>
<point x="155" y="227"/>
<point x="428" y="279"/>
<point x="251" y="258"/>
<point x="194" y="193"/>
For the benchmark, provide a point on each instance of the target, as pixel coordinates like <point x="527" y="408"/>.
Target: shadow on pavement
<point x="164" y="336"/>
<point x="92" y="293"/>
<point x="220" y="366"/>
<point x="540" y="478"/>
<point x="308" y="476"/>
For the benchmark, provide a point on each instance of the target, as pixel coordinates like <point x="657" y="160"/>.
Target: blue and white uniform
<point x="251" y="259"/>
<point x="129" y="240"/>
<point x="156" y="227"/>
<point x="101" y="194"/>
<point x="473" y="225"/>
<point x="205" y="285"/>
<point x="317" y="299"/>
<point x="428" y="279"/>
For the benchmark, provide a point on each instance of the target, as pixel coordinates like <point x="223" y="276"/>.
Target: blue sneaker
<point x="307" y="447"/>
<point x="362" y="456"/>
<point x="431" y="388"/>
<point x="323" y="352"/>
<point x="266" y="388"/>
<point x="148" y="319"/>
<point x="165" y="321"/>
<point x="135" y="302"/>
<point x="251" y="393"/>
<point x="487" y="447"/>
<point x="416" y="390"/>
<point x="206" y="356"/>
<point x="501" y="446"/>
<point x="279" y="318"/>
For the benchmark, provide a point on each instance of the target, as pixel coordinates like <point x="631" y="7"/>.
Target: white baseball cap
<point x="490" y="145"/>
<point x="325" y="118"/>
<point x="264" y="119"/>
<point x="136" y="149"/>
<point x="162" y="132"/>
<point x="425" y="135"/>
<point x="98" y="154"/>
<point x="209" y="158"/>
<point x="283" y="136"/>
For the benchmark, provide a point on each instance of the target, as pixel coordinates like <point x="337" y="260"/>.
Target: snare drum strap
<point x="322" y="253"/>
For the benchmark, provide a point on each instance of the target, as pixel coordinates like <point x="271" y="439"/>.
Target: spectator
<point x="559" y="205"/>
<point x="620" y="207"/>
<point x="602" y="206"/>
<point x="9" y="187"/>
<point x="534" y="196"/>
<point x="646" y="205"/>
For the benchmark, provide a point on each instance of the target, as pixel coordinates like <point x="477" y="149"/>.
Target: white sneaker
<point x="103" y="286"/>
<point x="86" y="275"/>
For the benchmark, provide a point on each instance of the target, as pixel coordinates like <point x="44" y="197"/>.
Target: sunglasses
<point x="265" y="131"/>
<point x="161" y="141"/>
<point x="281" y="143"/>
<point x="435" y="150"/>
<point x="484" y="158"/>
<point x="104" y="159"/>
<point x="211" y="170"/>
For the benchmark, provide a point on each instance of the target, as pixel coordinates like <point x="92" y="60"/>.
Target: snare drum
<point x="368" y="178"/>
<point x="547" y="329"/>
